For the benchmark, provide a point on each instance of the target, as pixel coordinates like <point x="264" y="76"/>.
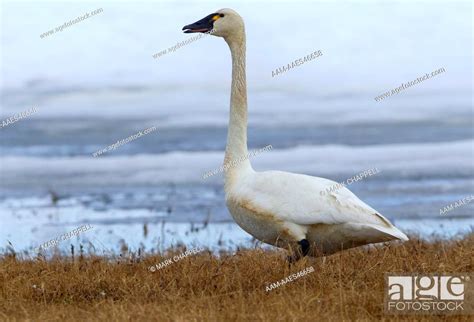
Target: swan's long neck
<point x="236" y="154"/>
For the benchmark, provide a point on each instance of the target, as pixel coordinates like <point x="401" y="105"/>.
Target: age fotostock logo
<point x="429" y="294"/>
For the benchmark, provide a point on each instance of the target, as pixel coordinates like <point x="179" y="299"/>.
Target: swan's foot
<point x="304" y="243"/>
<point x="300" y="253"/>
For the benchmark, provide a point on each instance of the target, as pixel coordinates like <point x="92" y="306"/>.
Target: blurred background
<point x="96" y="83"/>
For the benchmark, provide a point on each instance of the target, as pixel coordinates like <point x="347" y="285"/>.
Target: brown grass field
<point x="349" y="285"/>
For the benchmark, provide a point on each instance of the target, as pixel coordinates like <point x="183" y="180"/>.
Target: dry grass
<point x="203" y="287"/>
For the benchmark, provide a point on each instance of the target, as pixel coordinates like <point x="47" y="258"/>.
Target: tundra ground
<point x="230" y="287"/>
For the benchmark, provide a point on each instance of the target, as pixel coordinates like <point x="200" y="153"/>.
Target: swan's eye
<point x="221" y="15"/>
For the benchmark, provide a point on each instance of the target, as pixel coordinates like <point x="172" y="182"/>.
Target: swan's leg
<point x="300" y="253"/>
<point x="304" y="243"/>
<point x="295" y="236"/>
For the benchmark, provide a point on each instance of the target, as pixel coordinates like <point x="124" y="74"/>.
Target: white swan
<point x="280" y="208"/>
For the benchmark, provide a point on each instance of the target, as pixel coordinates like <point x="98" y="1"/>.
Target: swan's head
<point x="223" y="23"/>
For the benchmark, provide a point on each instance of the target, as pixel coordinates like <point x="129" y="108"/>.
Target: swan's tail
<point x="399" y="234"/>
<point x="392" y="231"/>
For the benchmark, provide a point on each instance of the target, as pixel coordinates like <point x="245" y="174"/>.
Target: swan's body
<point x="280" y="208"/>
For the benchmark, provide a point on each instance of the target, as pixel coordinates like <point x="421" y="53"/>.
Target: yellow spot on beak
<point x="215" y="17"/>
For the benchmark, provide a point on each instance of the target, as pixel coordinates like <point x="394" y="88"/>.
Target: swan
<point x="285" y="209"/>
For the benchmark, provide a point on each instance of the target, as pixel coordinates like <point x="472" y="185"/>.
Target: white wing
<point x="297" y="198"/>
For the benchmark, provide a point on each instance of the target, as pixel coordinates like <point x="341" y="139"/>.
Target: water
<point x="96" y="83"/>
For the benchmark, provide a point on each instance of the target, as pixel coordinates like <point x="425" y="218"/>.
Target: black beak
<point x="204" y="25"/>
